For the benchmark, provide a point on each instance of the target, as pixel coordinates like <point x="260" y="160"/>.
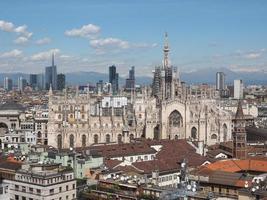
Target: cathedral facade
<point x="169" y="109"/>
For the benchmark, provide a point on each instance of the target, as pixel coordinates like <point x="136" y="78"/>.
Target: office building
<point x="22" y="83"/>
<point x="51" y="76"/>
<point x="220" y="81"/>
<point x="61" y="81"/>
<point x="33" y="81"/>
<point x="130" y="82"/>
<point x="8" y="84"/>
<point x="238" y="89"/>
<point x="43" y="181"/>
<point x="40" y="81"/>
<point x="114" y="79"/>
<point x="99" y="87"/>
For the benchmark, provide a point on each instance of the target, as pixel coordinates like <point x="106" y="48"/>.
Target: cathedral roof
<point x="10" y="105"/>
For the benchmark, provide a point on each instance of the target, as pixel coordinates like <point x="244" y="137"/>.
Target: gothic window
<point x="224" y="133"/>
<point x="140" y="116"/>
<point x="194" y="133"/>
<point x="175" y="119"/>
<point x="39" y="134"/>
<point x="82" y="108"/>
<point x="214" y="137"/>
<point x="59" y="141"/>
<point x="131" y="136"/>
<point x="95" y="138"/>
<point x="83" y="140"/>
<point x="59" y="116"/>
<point x="71" y="115"/>
<point x="107" y="138"/>
<point x="119" y="138"/>
<point x="71" y="141"/>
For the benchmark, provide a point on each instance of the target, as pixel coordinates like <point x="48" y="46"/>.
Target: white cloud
<point x="22" y="31"/>
<point x="43" y="41"/>
<point x="6" y="26"/>
<point x="21" y="40"/>
<point x="45" y="55"/>
<point x="109" y="43"/>
<point x="88" y="31"/>
<point x="253" y="55"/>
<point x="11" y="54"/>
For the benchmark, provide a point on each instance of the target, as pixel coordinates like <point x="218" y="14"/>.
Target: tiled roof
<point x="256" y="165"/>
<point x="120" y="150"/>
<point x="10" y="165"/>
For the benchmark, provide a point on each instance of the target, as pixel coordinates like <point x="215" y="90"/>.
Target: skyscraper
<point x="220" y="81"/>
<point x="238" y="89"/>
<point x="33" y="81"/>
<point x="51" y="76"/>
<point x="40" y="81"/>
<point x="22" y="83"/>
<point x="114" y="79"/>
<point x="130" y="82"/>
<point x="8" y="84"/>
<point x="61" y="81"/>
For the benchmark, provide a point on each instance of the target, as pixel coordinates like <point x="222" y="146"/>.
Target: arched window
<point x="107" y="138"/>
<point x="175" y="119"/>
<point x="176" y="137"/>
<point x="39" y="134"/>
<point x="214" y="137"/>
<point x="59" y="108"/>
<point x="131" y="136"/>
<point x="95" y="138"/>
<point x="83" y="140"/>
<point x="83" y="116"/>
<point x="82" y="108"/>
<point x="194" y="133"/>
<point x="59" y="116"/>
<point x="71" y="108"/>
<point x="71" y="141"/>
<point x="59" y="141"/>
<point x="119" y="138"/>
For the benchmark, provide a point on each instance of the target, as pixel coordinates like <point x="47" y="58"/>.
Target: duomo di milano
<point x="168" y="109"/>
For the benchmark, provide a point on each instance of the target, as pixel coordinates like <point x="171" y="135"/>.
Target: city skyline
<point x="98" y="34"/>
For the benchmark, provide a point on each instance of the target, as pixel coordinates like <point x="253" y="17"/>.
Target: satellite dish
<point x="109" y="176"/>
<point x="183" y="165"/>
<point x="71" y="148"/>
<point x="194" y="189"/>
<point x="253" y="189"/>
<point x="189" y="187"/>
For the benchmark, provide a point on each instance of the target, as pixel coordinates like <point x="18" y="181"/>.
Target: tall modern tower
<point x="22" y="83"/>
<point x="51" y="75"/>
<point x="238" y="89"/>
<point x="114" y="79"/>
<point x="8" y="84"/>
<point x="61" y="81"/>
<point x="220" y="81"/>
<point x="130" y="82"/>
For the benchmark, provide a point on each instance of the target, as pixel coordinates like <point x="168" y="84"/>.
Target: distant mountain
<point x="208" y="75"/>
<point x="204" y="75"/>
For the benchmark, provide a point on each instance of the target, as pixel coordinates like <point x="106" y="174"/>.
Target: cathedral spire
<point x="239" y="112"/>
<point x="53" y="59"/>
<point x="166" y="52"/>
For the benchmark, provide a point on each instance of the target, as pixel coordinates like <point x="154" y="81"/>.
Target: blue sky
<point x="91" y="35"/>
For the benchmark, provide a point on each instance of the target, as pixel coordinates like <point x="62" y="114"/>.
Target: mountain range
<point x="203" y="75"/>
